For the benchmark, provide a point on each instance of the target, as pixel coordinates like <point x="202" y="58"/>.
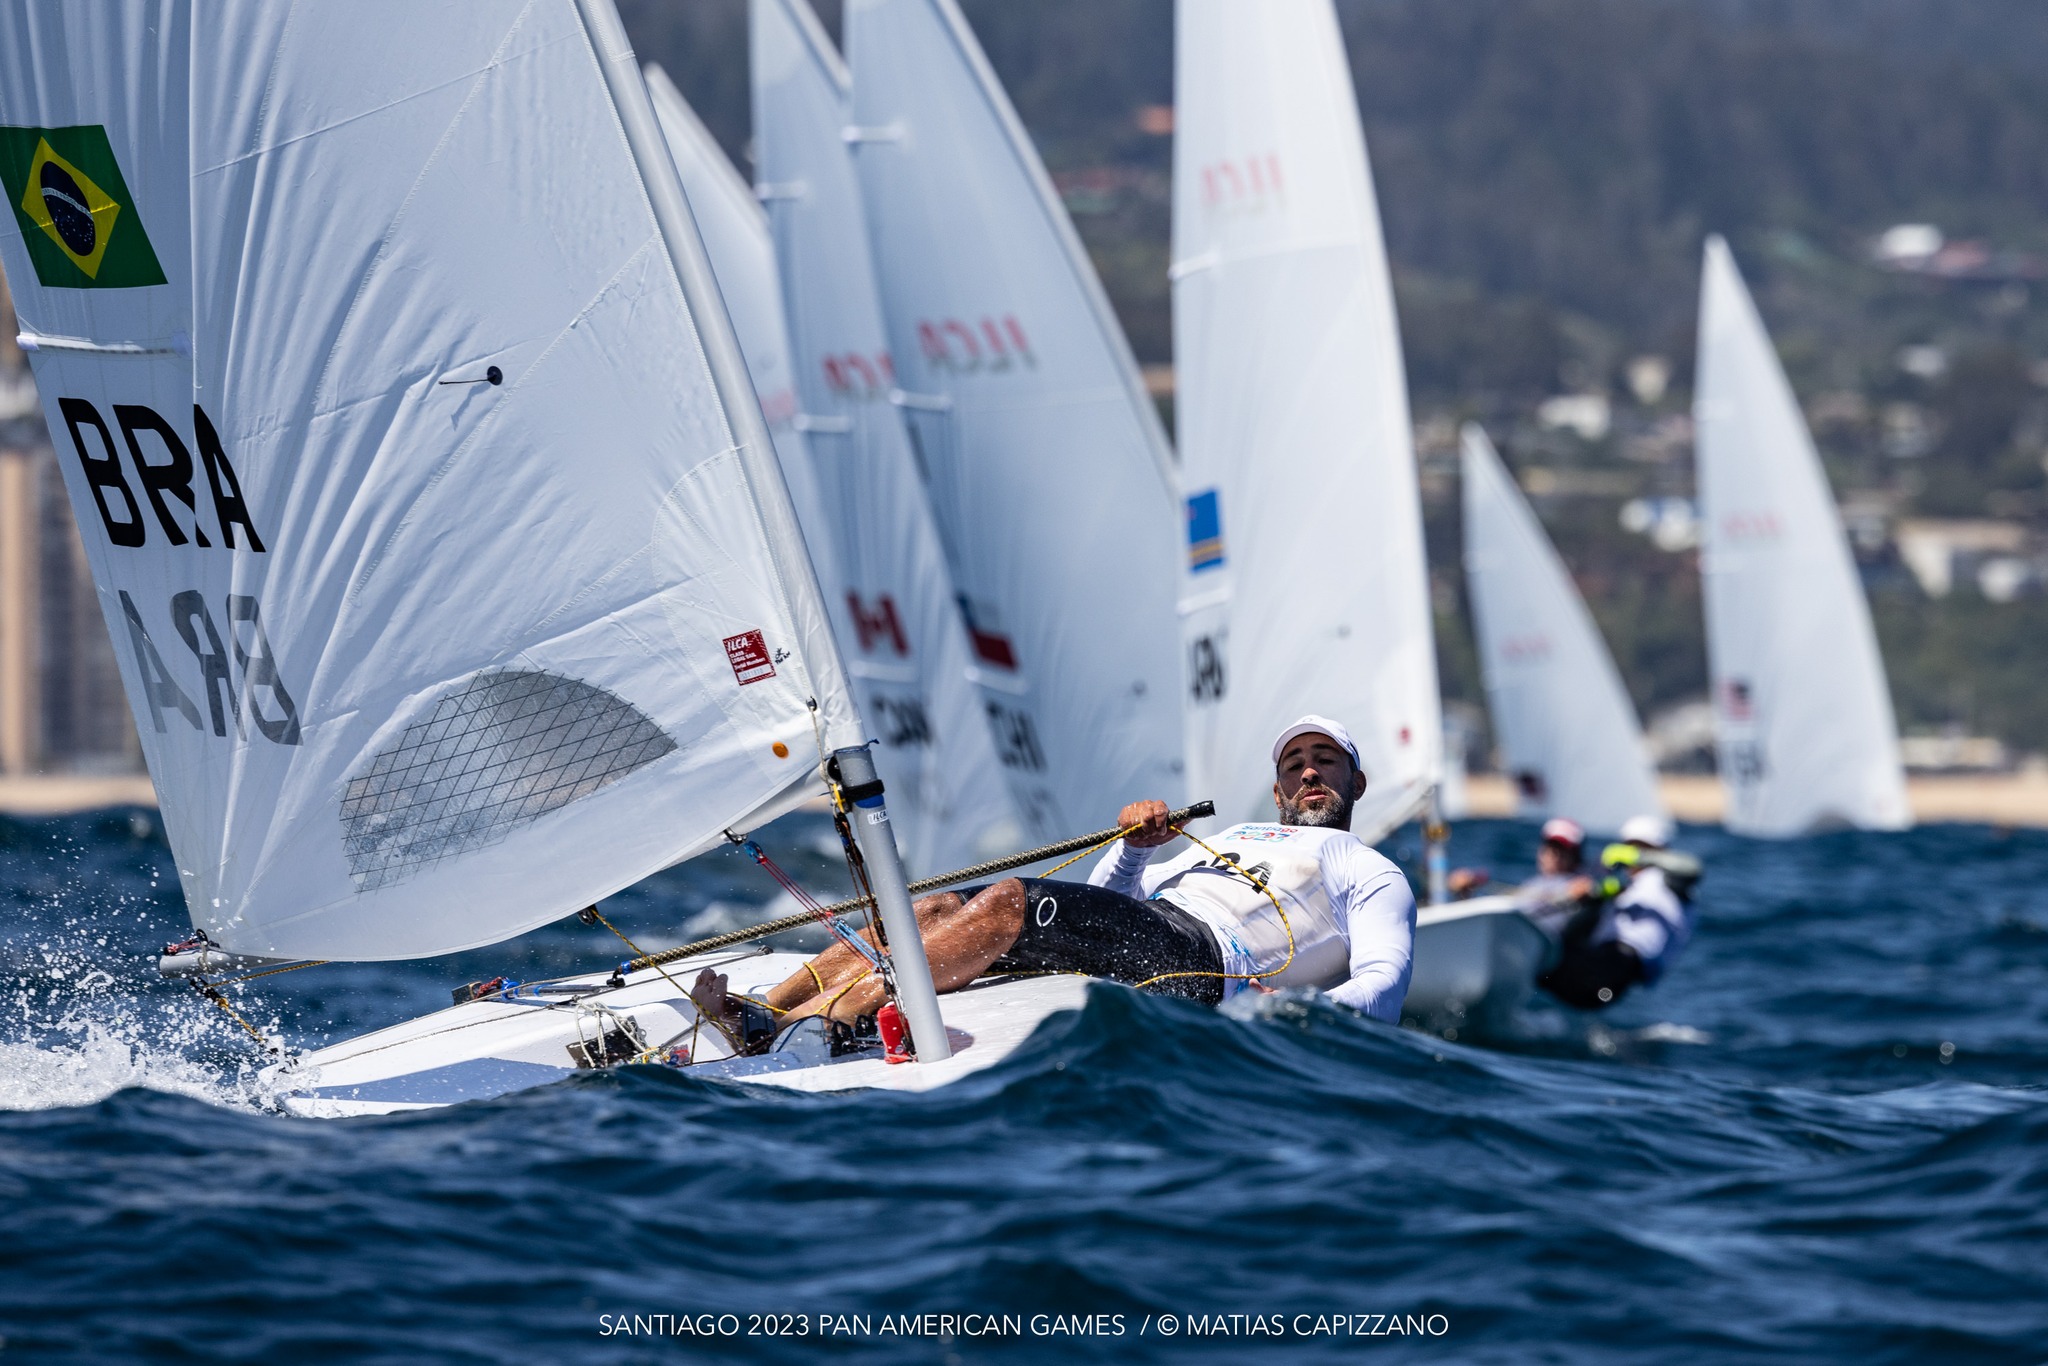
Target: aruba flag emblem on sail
<point x="1205" y="530"/>
<point x="76" y="216"/>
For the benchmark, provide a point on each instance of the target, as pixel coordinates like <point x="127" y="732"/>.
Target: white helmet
<point x="1654" y="831"/>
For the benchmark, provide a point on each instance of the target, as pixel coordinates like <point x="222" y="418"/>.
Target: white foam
<point x="1665" y="1032"/>
<point x="49" y="1077"/>
<point x="79" y="1032"/>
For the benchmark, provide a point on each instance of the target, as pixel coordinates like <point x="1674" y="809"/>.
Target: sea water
<point x="1823" y="1138"/>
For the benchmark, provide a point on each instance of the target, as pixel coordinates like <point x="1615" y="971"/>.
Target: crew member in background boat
<point x="1634" y="923"/>
<point x="1302" y="902"/>
<point x="1558" y="885"/>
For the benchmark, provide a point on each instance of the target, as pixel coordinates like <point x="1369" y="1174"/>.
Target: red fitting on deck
<point x="889" y="1022"/>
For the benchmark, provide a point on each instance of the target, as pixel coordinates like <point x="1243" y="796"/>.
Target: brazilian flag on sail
<point x="81" y="227"/>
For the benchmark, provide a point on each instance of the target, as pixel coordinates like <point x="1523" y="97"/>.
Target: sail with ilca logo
<point x="446" y="554"/>
<point x="743" y="262"/>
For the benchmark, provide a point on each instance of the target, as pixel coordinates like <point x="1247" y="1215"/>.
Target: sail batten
<point x="1803" y="718"/>
<point x="452" y="582"/>
<point x="1303" y="587"/>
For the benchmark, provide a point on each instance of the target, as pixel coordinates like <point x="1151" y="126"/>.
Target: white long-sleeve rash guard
<point x="1363" y="914"/>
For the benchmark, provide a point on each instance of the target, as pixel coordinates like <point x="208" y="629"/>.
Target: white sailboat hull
<point x="1476" y="962"/>
<point x="482" y="1049"/>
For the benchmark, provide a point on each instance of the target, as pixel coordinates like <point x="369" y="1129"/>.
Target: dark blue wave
<point x="1769" y="1158"/>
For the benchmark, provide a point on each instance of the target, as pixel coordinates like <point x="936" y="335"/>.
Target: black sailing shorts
<point x="1072" y="927"/>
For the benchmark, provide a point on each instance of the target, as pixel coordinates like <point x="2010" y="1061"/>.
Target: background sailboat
<point x="1566" y="730"/>
<point x="934" y="826"/>
<point x="907" y="648"/>
<point x="1304" y="587"/>
<point x="1048" y="472"/>
<point x="742" y="257"/>
<point x="1803" y="717"/>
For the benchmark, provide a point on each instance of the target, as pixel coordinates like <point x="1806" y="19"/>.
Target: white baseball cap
<point x="1654" y="831"/>
<point x="1318" y="725"/>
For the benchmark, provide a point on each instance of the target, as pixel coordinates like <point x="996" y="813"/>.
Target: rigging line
<point x="806" y="900"/>
<point x="214" y="995"/>
<point x="718" y="1025"/>
<point x="271" y="972"/>
<point x="1224" y="863"/>
<point x="1264" y="888"/>
<point x="990" y="867"/>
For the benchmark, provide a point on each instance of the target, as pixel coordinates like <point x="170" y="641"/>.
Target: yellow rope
<point x="814" y="976"/>
<point x="1094" y="849"/>
<point x="718" y="1025"/>
<point x="1285" y="924"/>
<point x="272" y="972"/>
<point x="833" y="1004"/>
<point x="213" y="994"/>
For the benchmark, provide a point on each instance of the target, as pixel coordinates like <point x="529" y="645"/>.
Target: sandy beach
<point x="39" y="794"/>
<point x="2012" y="799"/>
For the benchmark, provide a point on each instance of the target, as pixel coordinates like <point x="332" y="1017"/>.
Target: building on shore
<point x="61" y="705"/>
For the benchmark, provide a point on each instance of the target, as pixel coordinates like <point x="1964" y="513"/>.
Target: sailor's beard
<point x="1330" y="815"/>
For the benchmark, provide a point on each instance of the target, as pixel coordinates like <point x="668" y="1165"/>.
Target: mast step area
<point x="524" y="1035"/>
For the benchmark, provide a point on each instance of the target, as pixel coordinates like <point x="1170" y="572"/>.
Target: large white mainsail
<point x="1803" y="718"/>
<point x="1304" y="588"/>
<point x="907" y="647"/>
<point x="743" y="260"/>
<point x="452" y="585"/>
<point x="1566" y="729"/>
<point x="1048" y="471"/>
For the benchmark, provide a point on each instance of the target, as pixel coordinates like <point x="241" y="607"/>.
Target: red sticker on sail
<point x="747" y="652"/>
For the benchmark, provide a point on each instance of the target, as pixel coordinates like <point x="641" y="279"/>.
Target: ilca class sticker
<point x="747" y="652"/>
<point x="77" y="219"/>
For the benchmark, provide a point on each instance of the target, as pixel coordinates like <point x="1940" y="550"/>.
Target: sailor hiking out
<point x="1298" y="902"/>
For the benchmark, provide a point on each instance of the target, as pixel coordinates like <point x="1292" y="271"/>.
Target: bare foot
<point x="709" y="995"/>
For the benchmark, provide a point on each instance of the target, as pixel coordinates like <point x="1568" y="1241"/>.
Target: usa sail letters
<point x="148" y="465"/>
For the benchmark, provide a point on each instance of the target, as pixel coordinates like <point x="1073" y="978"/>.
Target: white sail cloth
<point x="1566" y="730"/>
<point x="530" y="617"/>
<point x="1304" y="588"/>
<point x="1803" y="718"/>
<point x="1048" y="472"/>
<point x="904" y="640"/>
<point x="742" y="258"/>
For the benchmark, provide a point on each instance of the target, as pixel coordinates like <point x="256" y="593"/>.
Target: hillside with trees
<point x="1547" y="171"/>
